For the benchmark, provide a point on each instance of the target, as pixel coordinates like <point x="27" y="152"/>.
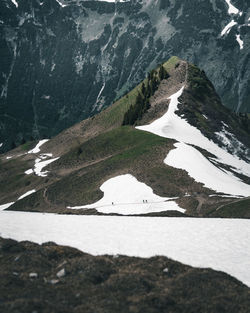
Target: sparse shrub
<point x="79" y="150"/>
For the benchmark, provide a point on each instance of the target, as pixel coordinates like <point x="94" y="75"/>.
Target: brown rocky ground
<point x="51" y="278"/>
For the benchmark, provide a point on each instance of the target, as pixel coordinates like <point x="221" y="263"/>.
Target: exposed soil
<point x="51" y="278"/>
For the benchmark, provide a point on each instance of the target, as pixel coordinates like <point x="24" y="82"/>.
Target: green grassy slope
<point x="120" y="151"/>
<point x="238" y="209"/>
<point x="99" y="148"/>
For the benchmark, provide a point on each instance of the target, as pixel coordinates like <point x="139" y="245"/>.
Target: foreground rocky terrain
<point x="51" y="278"/>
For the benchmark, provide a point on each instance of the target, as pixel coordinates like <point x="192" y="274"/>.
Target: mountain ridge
<point x="98" y="149"/>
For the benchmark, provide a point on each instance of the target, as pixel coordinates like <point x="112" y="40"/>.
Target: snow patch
<point x="203" y="171"/>
<point x="227" y="28"/>
<point x="225" y="196"/>
<point x="1" y="144"/>
<point x="27" y="194"/>
<point x="170" y="125"/>
<point x="61" y="4"/>
<point x="5" y="206"/>
<point x="37" y="147"/>
<point x="232" y="9"/>
<point x="240" y="42"/>
<point x="28" y="172"/>
<point x="15" y="3"/>
<point x="46" y="97"/>
<point x="230" y="141"/>
<point x="125" y="195"/>
<point x="39" y="165"/>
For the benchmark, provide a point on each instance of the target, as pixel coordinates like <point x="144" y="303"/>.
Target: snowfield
<point x="232" y="9"/>
<point x="221" y="244"/>
<point x="170" y="125"/>
<point x="39" y="165"/>
<point x="201" y="169"/>
<point x="37" y="147"/>
<point x="5" y="206"/>
<point x="26" y="194"/>
<point x="227" y="28"/>
<point x="240" y="42"/>
<point x="125" y="195"/>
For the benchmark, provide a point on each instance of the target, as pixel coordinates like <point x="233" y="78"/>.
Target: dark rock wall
<point x="61" y="64"/>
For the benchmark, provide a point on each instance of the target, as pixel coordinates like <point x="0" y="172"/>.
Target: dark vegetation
<point x="30" y="282"/>
<point x="198" y="81"/>
<point x="203" y="109"/>
<point x="237" y="209"/>
<point x="142" y="103"/>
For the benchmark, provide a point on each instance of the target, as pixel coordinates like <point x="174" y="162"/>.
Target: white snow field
<point x="37" y="147"/>
<point x="201" y="169"/>
<point x="221" y="244"/>
<point x="232" y="9"/>
<point x="39" y="165"/>
<point x="170" y="125"/>
<point x="228" y="27"/>
<point x="129" y="196"/>
<point x="14" y="2"/>
<point x="26" y="194"/>
<point x="5" y="206"/>
<point x="240" y="42"/>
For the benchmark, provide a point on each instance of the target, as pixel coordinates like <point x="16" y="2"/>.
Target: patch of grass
<point x="27" y="146"/>
<point x="201" y="121"/>
<point x="197" y="80"/>
<point x="13" y="179"/>
<point x="240" y="209"/>
<point x="171" y="63"/>
<point x="120" y="143"/>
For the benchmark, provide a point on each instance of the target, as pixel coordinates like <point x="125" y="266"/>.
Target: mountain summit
<point x="168" y="147"/>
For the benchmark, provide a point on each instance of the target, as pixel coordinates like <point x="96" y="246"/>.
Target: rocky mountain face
<point x="170" y="133"/>
<point x="63" y="61"/>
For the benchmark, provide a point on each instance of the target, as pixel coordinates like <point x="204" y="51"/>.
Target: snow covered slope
<point x="170" y="125"/>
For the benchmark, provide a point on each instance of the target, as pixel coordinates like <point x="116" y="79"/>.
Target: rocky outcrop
<point x="52" y="278"/>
